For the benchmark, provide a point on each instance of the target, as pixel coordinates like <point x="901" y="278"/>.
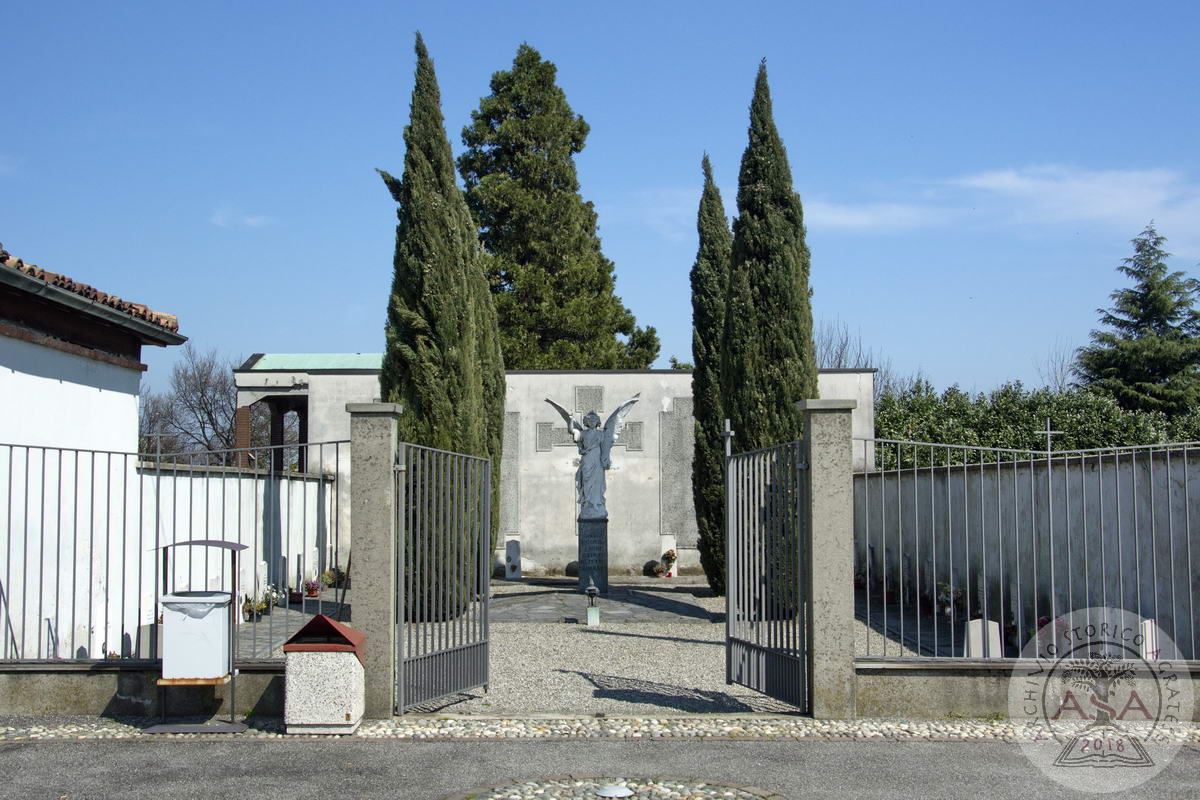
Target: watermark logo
<point x="1098" y="699"/>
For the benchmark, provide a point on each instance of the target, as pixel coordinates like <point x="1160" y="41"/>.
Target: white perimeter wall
<point x="77" y="561"/>
<point x="57" y="399"/>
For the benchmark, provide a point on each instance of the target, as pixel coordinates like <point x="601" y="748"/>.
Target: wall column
<point x="277" y="413"/>
<point x="373" y="443"/>
<point x="829" y="577"/>
<point x="302" y="437"/>
<point x="241" y="435"/>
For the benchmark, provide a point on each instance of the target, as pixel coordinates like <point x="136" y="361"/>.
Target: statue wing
<point x="616" y="420"/>
<point x="573" y="424"/>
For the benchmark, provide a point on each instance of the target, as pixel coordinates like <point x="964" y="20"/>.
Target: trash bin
<point x="195" y="635"/>
<point x="325" y="687"/>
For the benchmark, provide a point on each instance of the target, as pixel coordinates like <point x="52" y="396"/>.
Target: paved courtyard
<point x="660" y="649"/>
<point x="652" y="600"/>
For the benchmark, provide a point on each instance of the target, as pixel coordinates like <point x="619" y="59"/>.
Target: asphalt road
<point x="314" y="768"/>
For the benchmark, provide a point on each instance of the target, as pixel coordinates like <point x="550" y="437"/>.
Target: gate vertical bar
<point x="401" y="478"/>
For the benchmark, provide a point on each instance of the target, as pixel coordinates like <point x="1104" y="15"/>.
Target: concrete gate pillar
<point x="830" y="563"/>
<point x="373" y="443"/>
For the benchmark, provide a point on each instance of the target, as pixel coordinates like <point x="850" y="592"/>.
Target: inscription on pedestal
<point x="593" y="553"/>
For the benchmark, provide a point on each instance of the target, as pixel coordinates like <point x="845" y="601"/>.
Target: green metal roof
<point x="312" y="362"/>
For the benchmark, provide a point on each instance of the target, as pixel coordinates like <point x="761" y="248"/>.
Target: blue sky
<point x="971" y="175"/>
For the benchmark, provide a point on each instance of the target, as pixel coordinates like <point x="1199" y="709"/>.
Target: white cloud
<point x="879" y="217"/>
<point x="1124" y="198"/>
<point x="1044" y="196"/>
<point x="226" y="217"/>
<point x="669" y="212"/>
<point x="1068" y="194"/>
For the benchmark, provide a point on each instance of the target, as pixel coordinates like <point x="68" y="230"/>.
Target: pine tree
<point x="1148" y="359"/>
<point x="554" y="288"/>
<point x="432" y="361"/>
<point x="710" y="279"/>
<point x="767" y="355"/>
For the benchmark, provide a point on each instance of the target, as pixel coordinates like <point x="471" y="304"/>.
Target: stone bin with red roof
<point x="324" y="679"/>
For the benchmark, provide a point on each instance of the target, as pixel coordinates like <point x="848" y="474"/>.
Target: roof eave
<point x="148" y="332"/>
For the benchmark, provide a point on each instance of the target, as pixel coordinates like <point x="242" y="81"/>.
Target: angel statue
<point x="595" y="448"/>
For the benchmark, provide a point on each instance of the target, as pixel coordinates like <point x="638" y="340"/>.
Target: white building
<point x="650" y="485"/>
<point x="70" y="360"/>
<point x="72" y="499"/>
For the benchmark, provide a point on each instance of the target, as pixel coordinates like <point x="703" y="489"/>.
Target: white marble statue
<point x="595" y="449"/>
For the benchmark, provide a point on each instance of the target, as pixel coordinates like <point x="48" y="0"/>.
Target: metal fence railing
<point x="443" y="530"/>
<point x="767" y="552"/>
<point x="79" y="579"/>
<point x="967" y="551"/>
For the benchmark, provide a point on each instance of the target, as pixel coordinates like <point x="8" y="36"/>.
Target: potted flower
<point x="333" y="577"/>
<point x="948" y="598"/>
<point x="668" y="560"/>
<point x="274" y="597"/>
<point x="312" y="588"/>
<point x="251" y="609"/>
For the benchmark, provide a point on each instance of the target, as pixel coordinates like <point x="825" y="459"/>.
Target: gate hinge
<point x="400" y="467"/>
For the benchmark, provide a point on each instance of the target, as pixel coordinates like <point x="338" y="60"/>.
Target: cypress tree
<point x="442" y="359"/>
<point x="710" y="279"/>
<point x="554" y="288"/>
<point x="1148" y="359"/>
<point x="767" y="358"/>
<point x="491" y="362"/>
<point x="432" y="363"/>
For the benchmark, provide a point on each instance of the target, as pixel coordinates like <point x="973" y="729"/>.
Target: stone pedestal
<point x="593" y="553"/>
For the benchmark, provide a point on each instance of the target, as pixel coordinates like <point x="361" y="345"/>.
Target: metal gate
<point x="443" y="572"/>
<point x="767" y="553"/>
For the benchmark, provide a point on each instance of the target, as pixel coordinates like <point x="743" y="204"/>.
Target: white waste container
<point x="195" y="635"/>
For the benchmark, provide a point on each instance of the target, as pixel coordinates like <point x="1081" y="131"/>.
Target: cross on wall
<point x="1049" y="433"/>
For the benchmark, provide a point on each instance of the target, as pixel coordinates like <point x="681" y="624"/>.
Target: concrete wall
<point x="130" y="690"/>
<point x="649" y="486"/>
<point x="649" y="489"/>
<point x="1117" y="529"/>
<point x="77" y="567"/>
<point x="328" y="395"/>
<point x="57" y="399"/>
<point x="859" y="386"/>
<point x="939" y="689"/>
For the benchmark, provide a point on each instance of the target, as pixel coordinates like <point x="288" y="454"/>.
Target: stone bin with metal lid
<point x="324" y="681"/>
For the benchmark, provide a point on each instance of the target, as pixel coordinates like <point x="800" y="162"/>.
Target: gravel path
<point x="716" y="727"/>
<point x="588" y="789"/>
<point x="619" y="668"/>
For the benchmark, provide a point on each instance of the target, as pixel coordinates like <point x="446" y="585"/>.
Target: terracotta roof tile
<point x="136" y="310"/>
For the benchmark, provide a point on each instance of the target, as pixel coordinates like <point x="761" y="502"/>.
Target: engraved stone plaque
<point x="589" y="398"/>
<point x="631" y="437"/>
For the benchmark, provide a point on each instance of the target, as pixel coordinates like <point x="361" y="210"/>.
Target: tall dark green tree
<point x="440" y="360"/>
<point x="1148" y="355"/>
<point x="491" y="362"/>
<point x="710" y="283"/>
<point x="767" y="356"/>
<point x="554" y="288"/>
